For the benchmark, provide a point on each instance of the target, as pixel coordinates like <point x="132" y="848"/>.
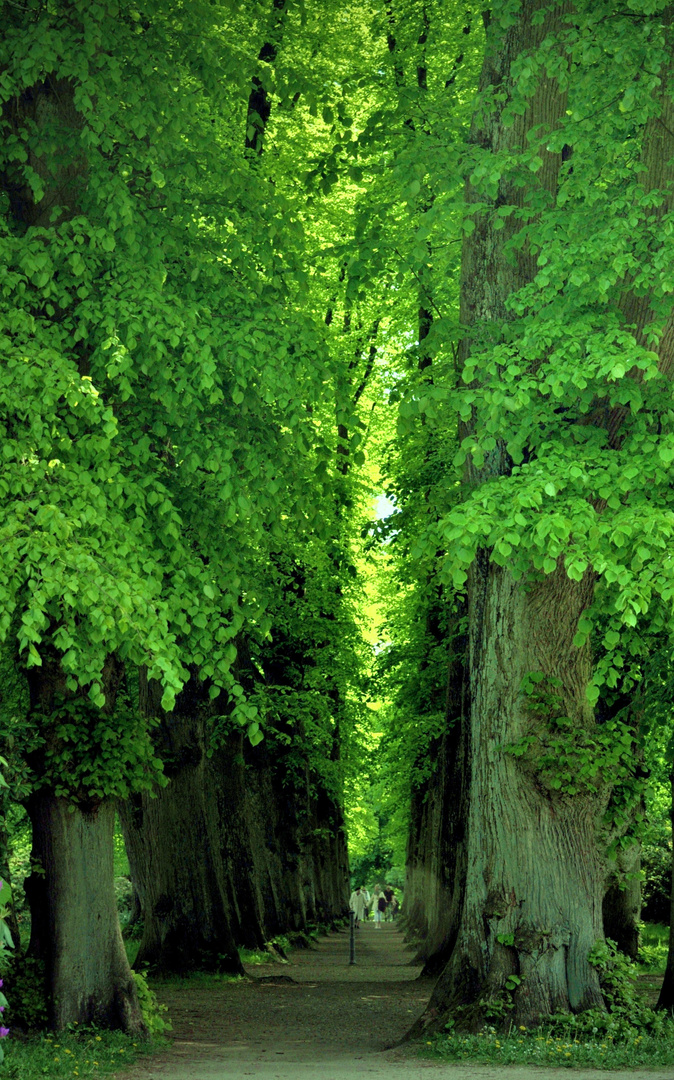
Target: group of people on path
<point x="383" y="903"/>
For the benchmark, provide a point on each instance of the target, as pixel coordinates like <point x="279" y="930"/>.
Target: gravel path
<point x="331" y="1022"/>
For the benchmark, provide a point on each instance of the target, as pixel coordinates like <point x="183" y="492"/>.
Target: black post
<point x="352" y="937"/>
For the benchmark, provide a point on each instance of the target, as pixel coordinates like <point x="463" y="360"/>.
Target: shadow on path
<point x="331" y="1011"/>
<point x="332" y="1022"/>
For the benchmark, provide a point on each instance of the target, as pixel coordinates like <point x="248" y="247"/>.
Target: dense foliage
<point x="241" y="249"/>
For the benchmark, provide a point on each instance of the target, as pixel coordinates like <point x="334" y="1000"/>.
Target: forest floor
<point x="317" y="1018"/>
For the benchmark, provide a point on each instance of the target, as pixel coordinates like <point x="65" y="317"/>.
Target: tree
<point x="565" y="368"/>
<point x="148" y="466"/>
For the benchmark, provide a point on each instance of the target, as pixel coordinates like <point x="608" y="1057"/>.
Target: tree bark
<point x="173" y="840"/>
<point x="75" y="929"/>
<point x="232" y="852"/>
<point x="436" y="851"/>
<point x="536" y="869"/>
<point x="621" y="907"/>
<point x="535" y="875"/>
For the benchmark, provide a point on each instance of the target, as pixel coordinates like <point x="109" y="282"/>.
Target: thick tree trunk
<point x="446" y="888"/>
<point x="173" y="840"/>
<point x="413" y="917"/>
<point x="231" y="852"/>
<point x="297" y="842"/>
<point x="535" y="877"/>
<point x="244" y="884"/>
<point x="438" y="878"/>
<point x="326" y="857"/>
<point x="271" y="818"/>
<point x="75" y="929"/>
<point x="74" y="923"/>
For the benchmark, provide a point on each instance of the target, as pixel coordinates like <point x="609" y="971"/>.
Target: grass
<point x="540" y="1047"/>
<point x="86" y="1053"/>
<point x="653" y="947"/>
<point x="256" y="956"/>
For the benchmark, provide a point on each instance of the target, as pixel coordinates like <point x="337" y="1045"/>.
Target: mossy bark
<point x="75" y="929"/>
<point x="173" y="840"/>
<point x="236" y="850"/>
<point x="532" y="906"/>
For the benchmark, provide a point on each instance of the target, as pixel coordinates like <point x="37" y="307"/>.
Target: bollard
<point x="352" y="937"/>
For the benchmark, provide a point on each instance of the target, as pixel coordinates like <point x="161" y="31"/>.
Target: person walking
<point x="357" y="904"/>
<point x="366" y="894"/>
<point x="374" y="902"/>
<point x="388" y="896"/>
<point x="380" y="908"/>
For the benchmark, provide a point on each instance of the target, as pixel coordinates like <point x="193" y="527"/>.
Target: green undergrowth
<point x="653" y="947"/>
<point x="85" y="1053"/>
<point x="545" y="1048"/>
<point x="253" y="957"/>
<point x="628" y="1033"/>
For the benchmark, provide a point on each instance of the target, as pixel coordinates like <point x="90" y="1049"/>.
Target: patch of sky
<point x="383" y="508"/>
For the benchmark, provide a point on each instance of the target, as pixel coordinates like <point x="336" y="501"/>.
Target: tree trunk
<point x="446" y="889"/>
<point x="231" y="852"/>
<point x="413" y="917"/>
<point x="71" y="892"/>
<point x="535" y="877"/>
<point x="621" y="907"/>
<point x="173" y="840"/>
<point x="75" y="929"/>
<point x="326" y="856"/>
<point x="438" y="880"/>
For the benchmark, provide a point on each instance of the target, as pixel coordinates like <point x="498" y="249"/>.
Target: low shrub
<point x="154" y="1013"/>
<point x="653" y="947"/>
<point x="28" y="1005"/>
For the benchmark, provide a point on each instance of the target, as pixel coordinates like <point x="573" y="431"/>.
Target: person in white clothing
<point x="366" y="894"/>
<point x="378" y="911"/>
<point x="357" y="903"/>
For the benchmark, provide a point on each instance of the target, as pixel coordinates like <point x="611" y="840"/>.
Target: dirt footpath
<point x="331" y="1022"/>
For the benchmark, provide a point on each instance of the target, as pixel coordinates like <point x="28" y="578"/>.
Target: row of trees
<point x="181" y="411"/>
<point x="243" y="247"/>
